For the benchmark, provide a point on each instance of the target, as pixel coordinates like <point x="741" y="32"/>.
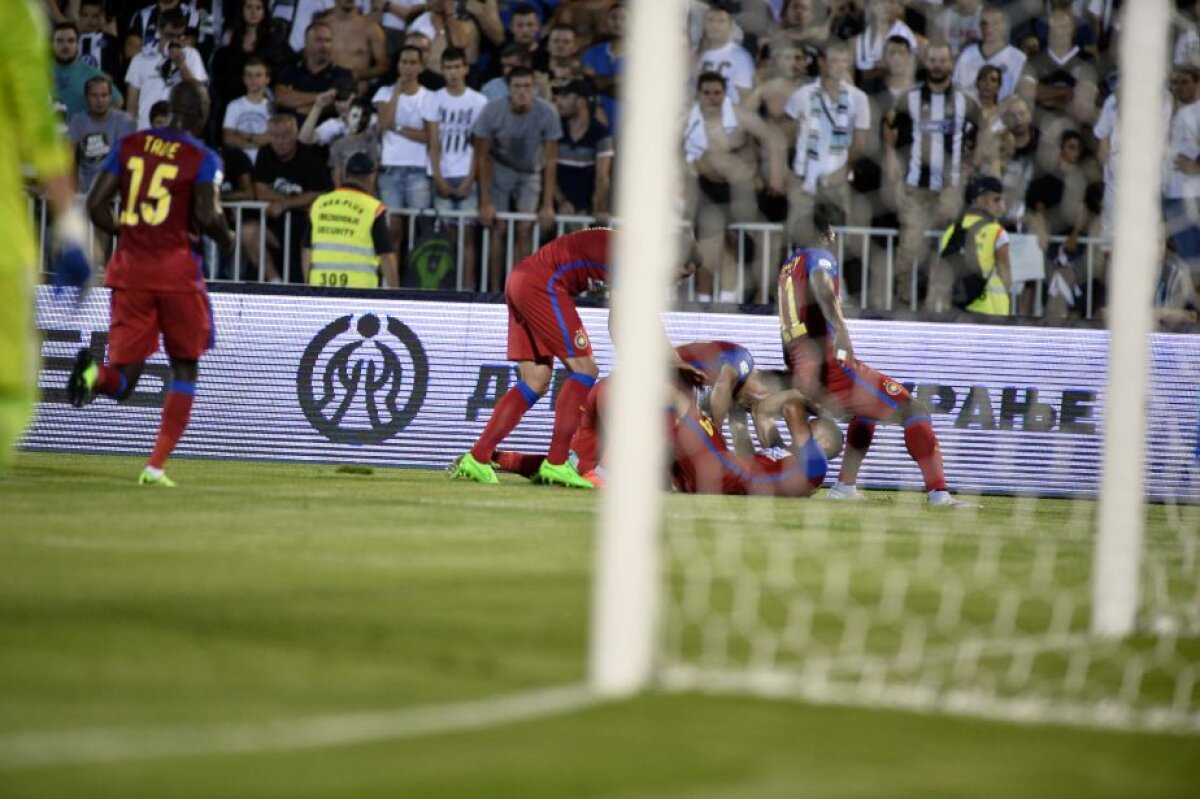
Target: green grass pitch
<point x="278" y="593"/>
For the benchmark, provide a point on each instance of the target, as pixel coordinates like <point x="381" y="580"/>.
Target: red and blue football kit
<point x="854" y="387"/>
<point x="156" y="273"/>
<point x="542" y="321"/>
<point x="710" y="356"/>
<point x="703" y="464"/>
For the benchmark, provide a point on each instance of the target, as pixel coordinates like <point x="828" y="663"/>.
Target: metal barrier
<point x="767" y="240"/>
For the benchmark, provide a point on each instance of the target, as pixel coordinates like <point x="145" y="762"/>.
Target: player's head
<point x="189" y="106"/>
<point x="827" y="216"/>
<point x="828" y="436"/>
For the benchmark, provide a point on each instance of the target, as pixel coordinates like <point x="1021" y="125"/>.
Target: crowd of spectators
<point x="885" y="108"/>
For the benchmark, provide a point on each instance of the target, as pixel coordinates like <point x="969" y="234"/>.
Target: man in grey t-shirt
<point x="97" y="130"/>
<point x="516" y="142"/>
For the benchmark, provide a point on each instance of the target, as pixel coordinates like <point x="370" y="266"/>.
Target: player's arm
<point x="99" y="201"/>
<point x="721" y="397"/>
<point x="210" y="218"/>
<point x="823" y="292"/>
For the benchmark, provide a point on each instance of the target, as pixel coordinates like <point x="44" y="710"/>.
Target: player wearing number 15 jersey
<point x="169" y="183"/>
<point x="819" y="353"/>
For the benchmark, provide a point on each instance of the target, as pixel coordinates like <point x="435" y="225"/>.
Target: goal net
<point x="1072" y="595"/>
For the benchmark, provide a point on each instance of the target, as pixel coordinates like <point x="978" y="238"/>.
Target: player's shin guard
<point x="859" y="435"/>
<point x="110" y="382"/>
<point x="177" y="410"/>
<point x="519" y="463"/>
<point x="922" y="445"/>
<point x="568" y="410"/>
<point x="509" y="411"/>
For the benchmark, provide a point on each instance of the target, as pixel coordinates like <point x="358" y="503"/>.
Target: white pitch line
<point x="112" y="745"/>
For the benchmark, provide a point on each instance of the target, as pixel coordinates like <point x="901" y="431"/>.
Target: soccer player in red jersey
<point x="586" y="443"/>
<point x="169" y="183"/>
<point x="702" y="462"/>
<point x="821" y="357"/>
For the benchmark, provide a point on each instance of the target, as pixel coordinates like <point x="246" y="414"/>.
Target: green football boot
<point x="81" y="385"/>
<point x="465" y="467"/>
<point x="162" y="481"/>
<point x="563" y="474"/>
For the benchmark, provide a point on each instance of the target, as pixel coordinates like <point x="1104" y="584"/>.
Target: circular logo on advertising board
<point x="362" y="385"/>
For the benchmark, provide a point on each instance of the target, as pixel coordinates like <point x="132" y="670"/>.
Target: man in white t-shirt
<point x="724" y="56"/>
<point x="959" y="24"/>
<point x="154" y="71"/>
<point x="832" y="119"/>
<point x="246" y="118"/>
<point x="996" y="51"/>
<point x="1181" y="192"/>
<point x="450" y="118"/>
<point x="404" y="180"/>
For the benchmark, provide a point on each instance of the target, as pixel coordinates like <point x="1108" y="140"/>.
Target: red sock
<point x="505" y="418"/>
<point x="175" y="414"/>
<point x="519" y="462"/>
<point x="568" y="410"/>
<point x="109" y="381"/>
<point x="586" y="441"/>
<point x="922" y="445"/>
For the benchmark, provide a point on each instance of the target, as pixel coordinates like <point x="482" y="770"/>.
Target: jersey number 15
<point x="157" y="204"/>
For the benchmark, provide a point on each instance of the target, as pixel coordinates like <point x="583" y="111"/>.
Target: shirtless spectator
<point x="359" y="43"/>
<point x="442" y="24"/>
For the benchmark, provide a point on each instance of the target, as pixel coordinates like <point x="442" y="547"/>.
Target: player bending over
<point x="543" y="325"/>
<point x="585" y="444"/>
<point x="819" y="353"/>
<point x="169" y="183"/>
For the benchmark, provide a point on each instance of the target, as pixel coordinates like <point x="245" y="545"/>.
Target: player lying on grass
<point x="543" y="325"/>
<point x="702" y="462"/>
<point x="169" y="183"/>
<point x="821" y="358"/>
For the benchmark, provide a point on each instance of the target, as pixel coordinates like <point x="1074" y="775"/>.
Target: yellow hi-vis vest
<point x="343" y="251"/>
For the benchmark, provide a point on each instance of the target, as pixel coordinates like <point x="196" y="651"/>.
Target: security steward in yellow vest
<point x="348" y="242"/>
<point x="985" y="201"/>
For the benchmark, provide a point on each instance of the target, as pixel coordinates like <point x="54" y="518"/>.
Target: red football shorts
<point x="853" y="388"/>
<point x="138" y="317"/>
<point x="542" y="322"/>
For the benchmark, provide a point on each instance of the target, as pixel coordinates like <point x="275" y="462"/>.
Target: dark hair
<point x="1068" y="135"/>
<point x="709" y="76"/>
<point x="364" y="121"/>
<point x="256" y="61"/>
<point x="521" y="9"/>
<point x="101" y="78"/>
<point x="187" y="106"/>
<point x="172" y="18"/>
<point x="162" y="108"/>
<point x="99" y="3"/>
<point x="408" y="48"/>
<point x="562" y="26"/>
<point x="827" y="216"/>
<point x="512" y="49"/>
<point x="454" y="54"/>
<point x="518" y="72"/>
<point x="988" y="69"/>
<point x="319" y="22"/>
<point x="66" y="25"/>
<point x="238" y="25"/>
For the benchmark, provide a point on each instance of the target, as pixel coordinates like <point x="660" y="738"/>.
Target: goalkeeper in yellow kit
<point x="29" y="137"/>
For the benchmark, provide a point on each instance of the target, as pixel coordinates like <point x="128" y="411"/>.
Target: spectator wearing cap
<point x="603" y="62"/>
<point x="721" y="54"/>
<point x="585" y="154"/>
<point x="246" y="118"/>
<point x="347" y="242"/>
<point x="516" y="150"/>
<point x="985" y="206"/>
<point x="1181" y="194"/>
<point x="297" y="87"/>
